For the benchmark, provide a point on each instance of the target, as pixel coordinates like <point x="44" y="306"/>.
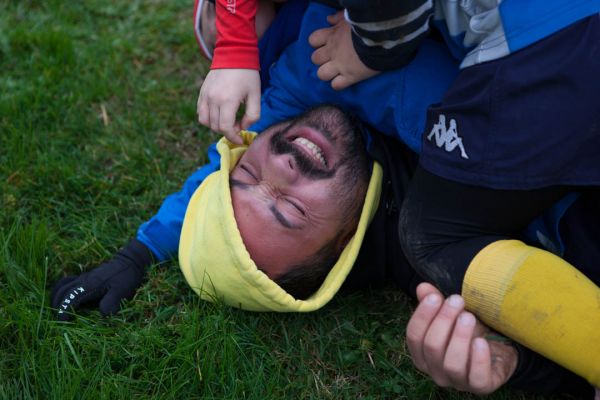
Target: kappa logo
<point x="447" y="137"/>
<point x="231" y="6"/>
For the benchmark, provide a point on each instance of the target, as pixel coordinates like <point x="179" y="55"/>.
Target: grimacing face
<point x="299" y="186"/>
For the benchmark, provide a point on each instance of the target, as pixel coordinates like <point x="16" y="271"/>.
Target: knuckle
<point x="432" y="347"/>
<point x="454" y="371"/>
<point x="221" y="98"/>
<point x="414" y="338"/>
<point x="225" y="127"/>
<point x="205" y="95"/>
<point x="214" y="100"/>
<point x="447" y="314"/>
<point x="252" y="116"/>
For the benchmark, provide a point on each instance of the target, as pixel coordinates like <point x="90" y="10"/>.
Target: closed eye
<point x="247" y="170"/>
<point x="295" y="206"/>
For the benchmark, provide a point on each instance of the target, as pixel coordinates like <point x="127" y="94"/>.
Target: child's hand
<point x="336" y="55"/>
<point x="222" y="93"/>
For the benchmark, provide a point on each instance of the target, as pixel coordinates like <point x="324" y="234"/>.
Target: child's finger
<point x="252" y="112"/>
<point x="319" y="37"/>
<point x="335" y="18"/>
<point x="320" y="56"/>
<point x="234" y="137"/>
<point x="213" y="117"/>
<point x="340" y="82"/>
<point x="203" y="113"/>
<point x="227" y="122"/>
<point x="327" y="71"/>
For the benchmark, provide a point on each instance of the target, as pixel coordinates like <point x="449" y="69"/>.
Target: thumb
<point x="111" y="302"/>
<point x="233" y="135"/>
<point x="252" y="112"/>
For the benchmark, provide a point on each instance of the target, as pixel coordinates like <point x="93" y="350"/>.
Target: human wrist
<point x="136" y="254"/>
<point x="245" y="57"/>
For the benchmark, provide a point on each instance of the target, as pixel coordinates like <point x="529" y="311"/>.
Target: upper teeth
<point x="312" y="148"/>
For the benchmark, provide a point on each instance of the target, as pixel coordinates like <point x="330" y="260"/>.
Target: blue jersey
<point x="483" y="30"/>
<point x="394" y="102"/>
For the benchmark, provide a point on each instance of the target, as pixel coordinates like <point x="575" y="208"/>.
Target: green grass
<point x="97" y="125"/>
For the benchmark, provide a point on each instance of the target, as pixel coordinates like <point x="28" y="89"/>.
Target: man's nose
<point x="284" y="170"/>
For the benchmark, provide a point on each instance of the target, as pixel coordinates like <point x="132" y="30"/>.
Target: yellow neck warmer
<point x="215" y="261"/>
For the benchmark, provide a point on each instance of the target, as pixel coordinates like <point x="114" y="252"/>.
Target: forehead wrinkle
<point x="274" y="210"/>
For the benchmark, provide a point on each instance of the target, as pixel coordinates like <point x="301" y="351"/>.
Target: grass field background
<point x="97" y="125"/>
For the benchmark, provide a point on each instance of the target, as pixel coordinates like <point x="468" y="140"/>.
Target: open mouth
<point x="312" y="149"/>
<point x="313" y="144"/>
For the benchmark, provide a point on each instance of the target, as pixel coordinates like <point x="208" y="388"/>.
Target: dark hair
<point x="302" y="280"/>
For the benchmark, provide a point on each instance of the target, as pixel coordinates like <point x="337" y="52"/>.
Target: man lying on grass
<point x="280" y="225"/>
<point x="312" y="203"/>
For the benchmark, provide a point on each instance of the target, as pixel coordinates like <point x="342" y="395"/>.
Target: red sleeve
<point x="237" y="45"/>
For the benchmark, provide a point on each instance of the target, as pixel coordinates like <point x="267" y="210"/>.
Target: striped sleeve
<point x="387" y="33"/>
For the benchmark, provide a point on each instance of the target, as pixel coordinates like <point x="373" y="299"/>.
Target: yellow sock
<point x="539" y="300"/>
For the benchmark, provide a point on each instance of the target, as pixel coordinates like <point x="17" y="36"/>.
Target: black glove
<point x="109" y="283"/>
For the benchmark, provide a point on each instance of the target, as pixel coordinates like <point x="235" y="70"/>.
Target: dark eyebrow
<point x="276" y="213"/>
<point x="235" y="183"/>
<point x="282" y="220"/>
